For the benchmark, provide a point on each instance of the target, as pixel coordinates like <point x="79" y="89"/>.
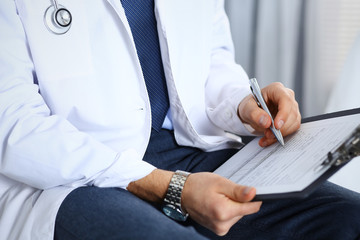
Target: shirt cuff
<point x="128" y="167"/>
<point x="225" y="115"/>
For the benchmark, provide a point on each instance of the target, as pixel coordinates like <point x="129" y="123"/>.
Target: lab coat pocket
<point x="57" y="57"/>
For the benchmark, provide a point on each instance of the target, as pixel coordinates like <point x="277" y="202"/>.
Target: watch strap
<point x="176" y="185"/>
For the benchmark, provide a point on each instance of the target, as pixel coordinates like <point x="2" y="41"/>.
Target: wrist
<point x="152" y="187"/>
<point x="172" y="206"/>
<point x="241" y="107"/>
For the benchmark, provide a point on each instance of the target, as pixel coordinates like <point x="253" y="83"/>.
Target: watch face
<point x="174" y="213"/>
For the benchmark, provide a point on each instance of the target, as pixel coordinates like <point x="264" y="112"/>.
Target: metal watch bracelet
<point x="176" y="185"/>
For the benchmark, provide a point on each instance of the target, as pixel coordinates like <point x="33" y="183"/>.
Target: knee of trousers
<point x="342" y="214"/>
<point x="347" y="212"/>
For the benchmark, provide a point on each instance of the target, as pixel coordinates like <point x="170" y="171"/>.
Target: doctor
<point x="86" y="134"/>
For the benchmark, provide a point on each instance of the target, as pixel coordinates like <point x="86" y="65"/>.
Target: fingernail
<point x="263" y="120"/>
<point x="280" y="124"/>
<point x="247" y="190"/>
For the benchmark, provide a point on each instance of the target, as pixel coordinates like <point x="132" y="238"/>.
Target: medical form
<point x="283" y="171"/>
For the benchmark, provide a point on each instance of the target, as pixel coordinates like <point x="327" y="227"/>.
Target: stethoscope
<point x="57" y="18"/>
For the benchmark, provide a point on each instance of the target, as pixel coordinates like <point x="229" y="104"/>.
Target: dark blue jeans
<point x="331" y="212"/>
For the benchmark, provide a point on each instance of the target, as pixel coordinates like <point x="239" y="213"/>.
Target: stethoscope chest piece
<point x="57" y="19"/>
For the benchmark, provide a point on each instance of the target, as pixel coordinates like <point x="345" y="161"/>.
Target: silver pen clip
<point x="256" y="91"/>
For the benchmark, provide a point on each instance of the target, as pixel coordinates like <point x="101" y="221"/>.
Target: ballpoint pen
<point x="256" y="91"/>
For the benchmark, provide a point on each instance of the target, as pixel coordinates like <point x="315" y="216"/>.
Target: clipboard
<point x="333" y="161"/>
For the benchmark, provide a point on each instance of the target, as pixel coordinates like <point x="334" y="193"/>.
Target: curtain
<point x="268" y="39"/>
<point x="331" y="29"/>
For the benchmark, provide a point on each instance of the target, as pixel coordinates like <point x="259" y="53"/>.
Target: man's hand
<point x="211" y="200"/>
<point x="216" y="202"/>
<point x="282" y="105"/>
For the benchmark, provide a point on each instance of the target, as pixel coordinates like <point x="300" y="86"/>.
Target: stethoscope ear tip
<point x="57" y="20"/>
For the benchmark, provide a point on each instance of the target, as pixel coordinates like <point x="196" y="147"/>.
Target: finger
<point x="269" y="134"/>
<point x="288" y="111"/>
<point x="268" y="138"/>
<point x="291" y="127"/>
<point x="249" y="112"/>
<point x="239" y="193"/>
<point x="242" y="209"/>
<point x="264" y="142"/>
<point x="280" y="101"/>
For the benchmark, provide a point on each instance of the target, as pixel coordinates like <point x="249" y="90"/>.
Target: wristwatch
<point x="172" y="200"/>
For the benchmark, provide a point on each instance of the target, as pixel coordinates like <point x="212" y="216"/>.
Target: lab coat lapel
<point x="185" y="33"/>
<point x="116" y="5"/>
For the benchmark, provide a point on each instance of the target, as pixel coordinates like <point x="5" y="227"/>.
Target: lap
<point x="111" y="213"/>
<point x="331" y="212"/>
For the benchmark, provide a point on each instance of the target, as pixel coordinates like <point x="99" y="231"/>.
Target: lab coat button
<point x="228" y="114"/>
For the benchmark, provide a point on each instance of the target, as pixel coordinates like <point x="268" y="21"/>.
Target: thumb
<point x="241" y="193"/>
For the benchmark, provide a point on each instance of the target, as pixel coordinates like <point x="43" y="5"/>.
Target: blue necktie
<point x="141" y="18"/>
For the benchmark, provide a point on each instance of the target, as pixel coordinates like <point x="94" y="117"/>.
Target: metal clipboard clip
<point x="343" y="154"/>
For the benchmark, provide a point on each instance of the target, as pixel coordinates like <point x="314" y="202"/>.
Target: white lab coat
<point x="74" y="109"/>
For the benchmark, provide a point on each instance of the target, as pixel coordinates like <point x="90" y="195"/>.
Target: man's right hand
<point x="216" y="202"/>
